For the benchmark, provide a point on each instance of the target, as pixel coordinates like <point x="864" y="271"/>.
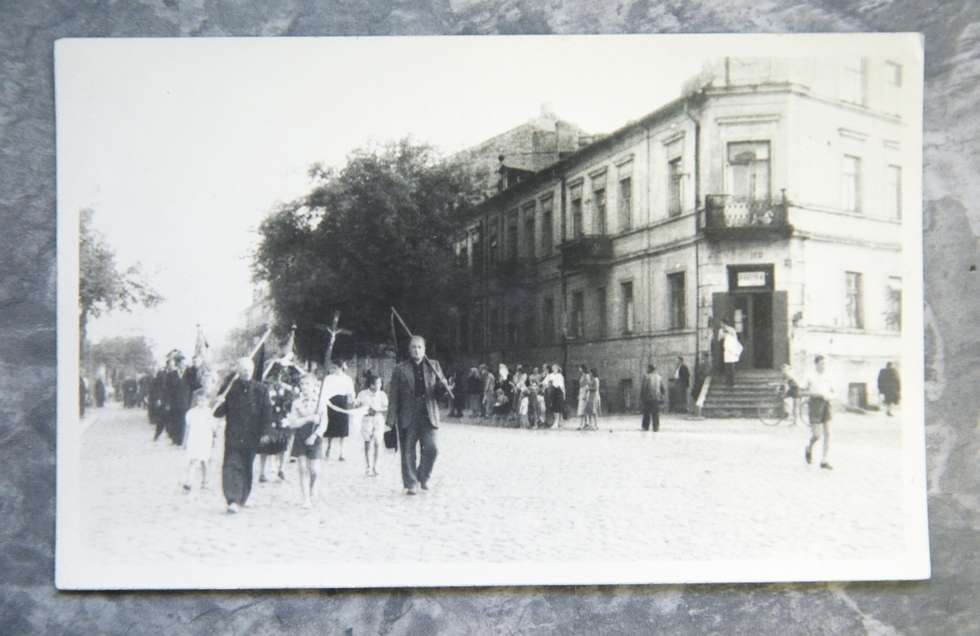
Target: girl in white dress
<point x="374" y="403"/>
<point x="199" y="433"/>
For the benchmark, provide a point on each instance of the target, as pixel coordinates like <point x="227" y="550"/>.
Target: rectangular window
<point x="530" y="335"/>
<point x="748" y="171"/>
<point x="549" y="320"/>
<point x="625" y="204"/>
<point x="626" y="296"/>
<point x="463" y="337"/>
<point x="599" y="207"/>
<point x="530" y="238"/>
<point x="512" y="328"/>
<point x="463" y="255"/>
<point x="512" y="236"/>
<point x="495" y="326"/>
<point x="576" y="209"/>
<point x="547" y="227"/>
<point x="601" y="311"/>
<point x="476" y="238"/>
<point x="678" y="318"/>
<point x="674" y="186"/>
<point x="578" y="315"/>
<point x="893" y="195"/>
<point x="893" y="304"/>
<point x="476" y="332"/>
<point x="893" y="88"/>
<point x="852" y="78"/>
<point x="852" y="184"/>
<point x="854" y="302"/>
<point x="494" y="241"/>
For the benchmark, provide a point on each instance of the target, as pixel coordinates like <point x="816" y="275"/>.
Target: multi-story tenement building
<point x="770" y="195"/>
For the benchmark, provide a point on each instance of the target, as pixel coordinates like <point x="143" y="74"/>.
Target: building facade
<point x="769" y="195"/>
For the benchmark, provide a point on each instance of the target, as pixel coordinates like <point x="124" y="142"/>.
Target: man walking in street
<point x="821" y="390"/>
<point x="413" y="410"/>
<point x="651" y="392"/>
<point x="248" y="416"/>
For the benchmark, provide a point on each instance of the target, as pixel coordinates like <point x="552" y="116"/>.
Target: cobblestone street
<point x="697" y="490"/>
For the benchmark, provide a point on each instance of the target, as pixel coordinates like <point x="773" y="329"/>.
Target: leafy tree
<point x="375" y="234"/>
<point x="102" y="286"/>
<point x="126" y="357"/>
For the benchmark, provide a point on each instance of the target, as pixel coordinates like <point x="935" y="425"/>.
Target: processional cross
<point x="334" y="330"/>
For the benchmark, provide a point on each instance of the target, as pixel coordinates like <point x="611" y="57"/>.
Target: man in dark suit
<point x="248" y="416"/>
<point x="413" y="410"/>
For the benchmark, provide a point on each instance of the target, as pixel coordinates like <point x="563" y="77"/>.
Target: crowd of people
<point x="284" y="411"/>
<point x="285" y="414"/>
<point x="541" y="397"/>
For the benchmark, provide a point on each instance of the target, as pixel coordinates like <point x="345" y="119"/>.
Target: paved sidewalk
<point x="697" y="490"/>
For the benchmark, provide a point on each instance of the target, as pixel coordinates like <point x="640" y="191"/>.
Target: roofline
<point x="551" y="173"/>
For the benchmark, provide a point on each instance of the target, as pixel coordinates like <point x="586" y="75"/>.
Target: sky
<point x="182" y="146"/>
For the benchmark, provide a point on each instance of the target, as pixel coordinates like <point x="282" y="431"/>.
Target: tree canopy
<point x="127" y="356"/>
<point x="375" y="234"/>
<point x="102" y="286"/>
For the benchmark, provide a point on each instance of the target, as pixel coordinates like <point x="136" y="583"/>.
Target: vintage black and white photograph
<point x="442" y="311"/>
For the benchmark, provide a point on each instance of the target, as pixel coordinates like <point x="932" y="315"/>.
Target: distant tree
<point x="102" y="286"/>
<point x="126" y="357"/>
<point x="375" y="234"/>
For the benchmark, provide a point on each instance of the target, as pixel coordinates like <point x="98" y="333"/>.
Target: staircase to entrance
<point x="754" y="393"/>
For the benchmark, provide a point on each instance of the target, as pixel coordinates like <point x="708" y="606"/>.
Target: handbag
<point x="391" y="439"/>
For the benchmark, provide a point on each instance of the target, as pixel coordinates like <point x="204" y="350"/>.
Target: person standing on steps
<point x="731" y="351"/>
<point x="413" y="410"/>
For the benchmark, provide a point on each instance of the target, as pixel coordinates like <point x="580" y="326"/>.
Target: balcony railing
<point x="587" y="252"/>
<point x="729" y="217"/>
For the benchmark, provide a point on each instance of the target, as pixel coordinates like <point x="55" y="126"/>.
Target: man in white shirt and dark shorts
<point x="821" y="391"/>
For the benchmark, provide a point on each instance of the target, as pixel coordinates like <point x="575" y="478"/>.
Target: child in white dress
<point x="199" y="434"/>
<point x="374" y="401"/>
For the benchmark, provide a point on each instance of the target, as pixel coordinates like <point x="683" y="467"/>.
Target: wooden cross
<point x="334" y="330"/>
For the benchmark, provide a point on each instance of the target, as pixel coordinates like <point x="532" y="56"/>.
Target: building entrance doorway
<point x="759" y="315"/>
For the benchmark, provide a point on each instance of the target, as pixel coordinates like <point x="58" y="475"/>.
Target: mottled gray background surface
<point x="30" y="604"/>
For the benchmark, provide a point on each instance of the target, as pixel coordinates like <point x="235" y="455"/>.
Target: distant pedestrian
<point x="889" y="386"/>
<point x="489" y="392"/>
<point x="821" y="390"/>
<point x="731" y="351"/>
<point x="248" y="416"/>
<point x="554" y="384"/>
<point x="791" y="393"/>
<point x="375" y="401"/>
<point x="594" y="405"/>
<point x="652" y="391"/>
<point x="474" y="391"/>
<point x="583" y="383"/>
<point x="682" y="387"/>
<point x="338" y="391"/>
<point x="199" y="436"/>
<point x="99" y="393"/>
<point x="413" y="411"/>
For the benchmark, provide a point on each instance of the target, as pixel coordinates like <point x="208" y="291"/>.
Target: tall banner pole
<point x="436" y="371"/>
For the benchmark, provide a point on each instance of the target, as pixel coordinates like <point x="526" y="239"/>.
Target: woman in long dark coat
<point x="889" y="386"/>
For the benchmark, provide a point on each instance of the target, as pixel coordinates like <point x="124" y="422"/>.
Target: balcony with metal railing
<point x="587" y="252"/>
<point x="727" y="217"/>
